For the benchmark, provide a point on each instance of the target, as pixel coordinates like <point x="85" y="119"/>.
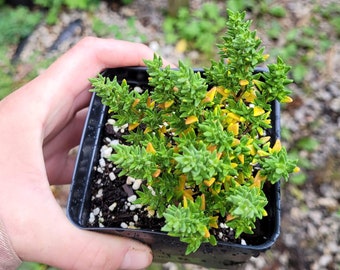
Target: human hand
<point x="39" y="124"/>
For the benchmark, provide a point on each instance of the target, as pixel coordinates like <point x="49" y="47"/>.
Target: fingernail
<point x="137" y="258"/>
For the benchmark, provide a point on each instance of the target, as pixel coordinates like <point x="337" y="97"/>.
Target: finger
<point x="88" y="250"/>
<point x="42" y="233"/>
<point x="59" y="161"/>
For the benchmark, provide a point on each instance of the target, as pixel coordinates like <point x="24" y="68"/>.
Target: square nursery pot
<point x="87" y="199"/>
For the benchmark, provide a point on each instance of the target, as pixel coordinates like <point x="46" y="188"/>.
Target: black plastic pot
<point x="165" y="248"/>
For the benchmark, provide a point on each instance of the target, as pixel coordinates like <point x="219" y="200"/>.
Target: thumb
<point x="58" y="243"/>
<point x="80" y="249"/>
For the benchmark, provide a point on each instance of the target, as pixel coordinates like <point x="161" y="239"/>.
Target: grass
<point x="15" y="25"/>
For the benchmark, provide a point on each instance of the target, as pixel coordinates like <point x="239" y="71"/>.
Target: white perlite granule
<point x="132" y="198"/>
<point x="105" y="151"/>
<point x="136" y="184"/>
<point x="112" y="206"/>
<point x="112" y="176"/>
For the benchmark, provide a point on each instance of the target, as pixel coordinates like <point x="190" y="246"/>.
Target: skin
<point x="39" y="124"/>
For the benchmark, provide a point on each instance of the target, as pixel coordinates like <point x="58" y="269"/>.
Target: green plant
<point x="239" y="5"/>
<point x="200" y="143"/>
<point x="306" y="144"/>
<point x="302" y="46"/>
<point x="331" y="13"/>
<point x="16" y="24"/>
<point x="34" y="266"/>
<point x="277" y="11"/>
<point x="54" y="7"/>
<point x="198" y="29"/>
<point x="129" y="31"/>
<point x="126" y="2"/>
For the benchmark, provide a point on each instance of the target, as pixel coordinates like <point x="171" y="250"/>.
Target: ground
<point x="306" y="35"/>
